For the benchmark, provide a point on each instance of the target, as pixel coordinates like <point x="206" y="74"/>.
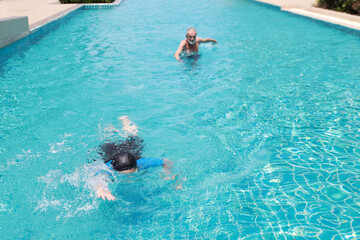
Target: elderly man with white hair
<point x="191" y="43"/>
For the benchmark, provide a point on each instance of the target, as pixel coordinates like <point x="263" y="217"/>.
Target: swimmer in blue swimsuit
<point x="125" y="157"/>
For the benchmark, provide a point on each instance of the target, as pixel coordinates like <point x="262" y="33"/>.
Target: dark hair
<point x="123" y="161"/>
<point x="133" y="145"/>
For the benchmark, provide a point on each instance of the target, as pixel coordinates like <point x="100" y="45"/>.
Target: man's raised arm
<point x="206" y="40"/>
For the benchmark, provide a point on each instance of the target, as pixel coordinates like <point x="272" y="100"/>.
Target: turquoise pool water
<point x="263" y="129"/>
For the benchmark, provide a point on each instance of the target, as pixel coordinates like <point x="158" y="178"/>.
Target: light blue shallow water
<point x="263" y="129"/>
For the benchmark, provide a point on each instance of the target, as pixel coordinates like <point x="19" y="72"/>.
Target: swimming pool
<point x="263" y="129"/>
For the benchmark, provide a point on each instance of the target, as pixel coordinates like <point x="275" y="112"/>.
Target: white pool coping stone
<point x="306" y="8"/>
<point x="61" y="14"/>
<point x="345" y="20"/>
<point x="37" y="25"/>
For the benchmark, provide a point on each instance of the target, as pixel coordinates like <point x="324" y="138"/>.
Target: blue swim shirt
<point x="144" y="163"/>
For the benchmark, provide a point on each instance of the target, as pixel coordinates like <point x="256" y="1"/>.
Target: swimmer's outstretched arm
<point x="129" y="128"/>
<point x="180" y="49"/>
<point x="101" y="187"/>
<point x="205" y="40"/>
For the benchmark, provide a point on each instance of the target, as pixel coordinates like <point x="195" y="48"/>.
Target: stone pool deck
<point x="19" y="18"/>
<point x="306" y="8"/>
<point x="39" y="12"/>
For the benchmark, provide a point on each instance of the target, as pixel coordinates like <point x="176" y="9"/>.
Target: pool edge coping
<point x="316" y="14"/>
<point x="329" y="16"/>
<point x="42" y="23"/>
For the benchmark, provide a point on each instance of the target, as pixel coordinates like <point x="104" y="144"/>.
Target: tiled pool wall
<point x="116" y="3"/>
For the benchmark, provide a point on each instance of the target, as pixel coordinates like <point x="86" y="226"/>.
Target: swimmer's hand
<point x="104" y="193"/>
<point x="167" y="166"/>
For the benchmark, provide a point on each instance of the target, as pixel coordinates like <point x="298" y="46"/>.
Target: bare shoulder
<point x="199" y="40"/>
<point x="183" y="42"/>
